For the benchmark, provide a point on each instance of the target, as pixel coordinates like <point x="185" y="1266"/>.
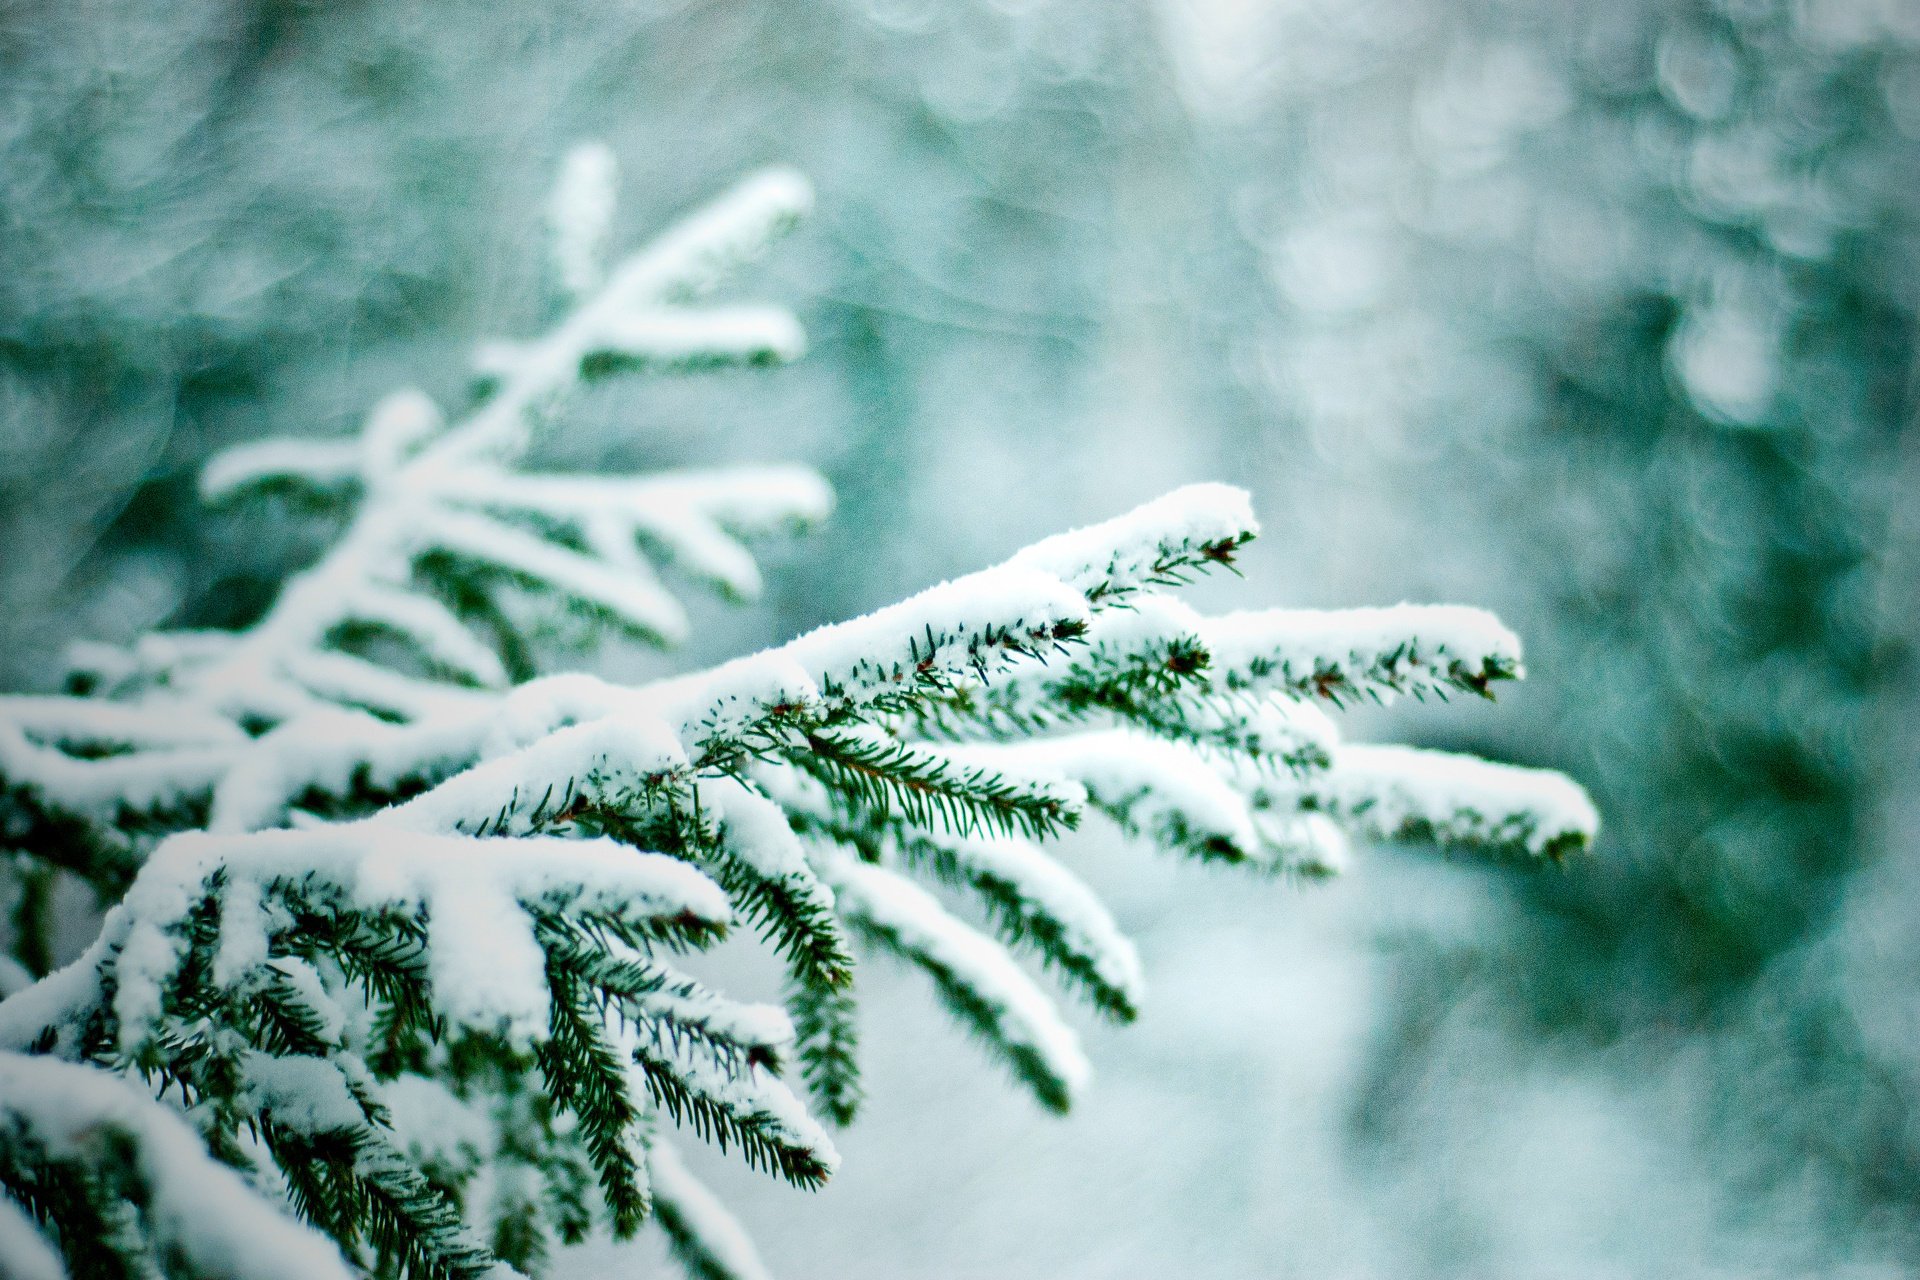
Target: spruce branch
<point x="882" y="775"/>
<point x="981" y="986"/>
<point x="1456" y="802"/>
<point x="86" y="1149"/>
<point x="1033" y="902"/>
<point x="1345" y="654"/>
<point x="587" y="1076"/>
<point x="434" y="500"/>
<point x="826" y="1044"/>
<point x="748" y="1109"/>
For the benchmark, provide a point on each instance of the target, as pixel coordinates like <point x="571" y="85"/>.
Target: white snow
<point x="142" y="782"/>
<point x="307" y="1095"/>
<point x="25" y="1254"/>
<point x="988" y="615"/>
<point x="431" y="627"/>
<point x="1386" y="650"/>
<point x="1311" y="843"/>
<point x="485" y="966"/>
<point x="580" y="213"/>
<point x="1384" y="789"/>
<point x="1023" y="1014"/>
<point x="195" y="1206"/>
<point x="512" y="792"/>
<point x="754" y="830"/>
<point x="327" y="750"/>
<point x="1122" y="553"/>
<point x="488" y="542"/>
<point x="1047" y="888"/>
<point x="324" y="464"/>
<point x="681" y="336"/>
<point x="432" y="1123"/>
<point x="94" y="724"/>
<point x="700" y="252"/>
<point x="703" y="1216"/>
<point x="1147" y="781"/>
<point x="399" y="423"/>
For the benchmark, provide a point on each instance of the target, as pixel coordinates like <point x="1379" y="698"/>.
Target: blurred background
<point x="1601" y="316"/>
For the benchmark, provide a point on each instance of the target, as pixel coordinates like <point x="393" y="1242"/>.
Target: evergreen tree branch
<point x="882" y="776"/>
<point x="978" y="983"/>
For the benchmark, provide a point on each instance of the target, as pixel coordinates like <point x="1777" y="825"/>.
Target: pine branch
<point x="647" y="990"/>
<point x="127" y="1181"/>
<point x="975" y="979"/>
<point x="468" y="927"/>
<point x="354" y="1186"/>
<point x="586" y="1076"/>
<point x="1032" y="901"/>
<point x="826" y="1043"/>
<point x="1343" y="655"/>
<point x="882" y="776"/>
<point x="750" y="1110"/>
<point x="1167" y="542"/>
<point x="429" y="496"/>
<point x="1456" y="802"/>
<point x="744" y="842"/>
<point x="1163" y="791"/>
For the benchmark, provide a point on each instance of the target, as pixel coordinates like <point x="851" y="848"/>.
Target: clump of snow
<point x="515" y="793"/>
<point x="580" y="213"/>
<point x="1392" y="792"/>
<point x="1151" y="785"/>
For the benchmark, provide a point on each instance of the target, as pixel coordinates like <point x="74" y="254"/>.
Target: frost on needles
<point x="392" y="973"/>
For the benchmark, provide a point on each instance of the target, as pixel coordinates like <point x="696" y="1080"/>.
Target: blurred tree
<point x="1645" y="277"/>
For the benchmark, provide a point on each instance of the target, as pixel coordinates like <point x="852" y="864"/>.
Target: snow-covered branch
<point x="399" y="922"/>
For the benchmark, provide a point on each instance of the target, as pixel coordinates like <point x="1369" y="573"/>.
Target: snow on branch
<point x="132" y="1181"/>
<point x="1165" y="542"/>
<point x="477" y="901"/>
<point x="1343" y="654"/>
<point x="448" y="528"/>
<point x="1454" y="801"/>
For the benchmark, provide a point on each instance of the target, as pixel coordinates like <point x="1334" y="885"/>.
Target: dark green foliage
<point x="92" y="1207"/>
<point x="1176" y="565"/>
<point x="727" y="1120"/>
<point x="354" y="1186"/>
<point x="880" y="776"/>
<point x="826" y="1044"/>
<point x="586" y="1077"/>
<point x="104" y="854"/>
